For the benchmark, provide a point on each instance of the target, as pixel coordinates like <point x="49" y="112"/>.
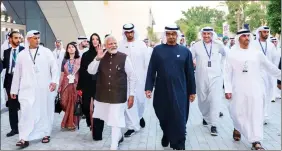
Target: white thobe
<point x="209" y="80"/>
<point x="81" y="52"/>
<point x="32" y="88"/>
<point x="276" y="91"/>
<point x="148" y="57"/>
<point x="137" y="52"/>
<point x="113" y="114"/>
<point x="59" y="56"/>
<point x="246" y="104"/>
<point x="267" y="79"/>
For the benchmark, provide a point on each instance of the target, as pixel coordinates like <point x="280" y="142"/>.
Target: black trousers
<point x="179" y="145"/>
<point x="14" y="107"/>
<point x="98" y="127"/>
<point x="86" y="99"/>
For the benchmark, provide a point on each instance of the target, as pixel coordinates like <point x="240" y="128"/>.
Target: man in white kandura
<point x="82" y="45"/>
<point x="35" y="78"/>
<point x="59" y="53"/>
<point x="276" y="91"/>
<point x="116" y="81"/>
<point x="242" y="81"/>
<point x="209" y="53"/>
<point x="263" y="44"/>
<point x="136" y="51"/>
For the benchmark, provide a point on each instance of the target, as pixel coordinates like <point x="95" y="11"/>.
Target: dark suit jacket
<point x="6" y="65"/>
<point x="1" y="66"/>
<point x="278" y="81"/>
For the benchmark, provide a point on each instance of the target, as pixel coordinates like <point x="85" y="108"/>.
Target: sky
<point x="167" y="12"/>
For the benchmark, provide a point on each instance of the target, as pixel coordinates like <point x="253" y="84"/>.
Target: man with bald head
<point x="113" y="69"/>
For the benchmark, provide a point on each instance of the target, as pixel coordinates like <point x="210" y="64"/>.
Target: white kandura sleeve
<point x="192" y="49"/>
<point x="54" y="69"/>
<point x="269" y="67"/>
<point x="93" y="66"/>
<point x="227" y="75"/>
<point x="131" y="76"/>
<point x="15" y="87"/>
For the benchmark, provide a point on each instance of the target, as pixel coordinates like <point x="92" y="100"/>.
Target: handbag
<point x="58" y="107"/>
<point x="78" y="107"/>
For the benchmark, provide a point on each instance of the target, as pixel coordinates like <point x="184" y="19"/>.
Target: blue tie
<point x="14" y="58"/>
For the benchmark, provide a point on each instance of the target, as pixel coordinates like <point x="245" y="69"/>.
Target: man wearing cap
<point x="171" y="72"/>
<point x="136" y="51"/>
<point x="35" y="78"/>
<point x="263" y="44"/>
<point x="242" y="81"/>
<point x="209" y="54"/>
<point x="82" y="45"/>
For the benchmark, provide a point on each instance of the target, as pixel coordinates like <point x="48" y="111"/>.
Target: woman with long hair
<point x="68" y="83"/>
<point x="87" y="84"/>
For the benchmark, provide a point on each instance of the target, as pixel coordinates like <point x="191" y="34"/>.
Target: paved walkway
<point x="149" y="138"/>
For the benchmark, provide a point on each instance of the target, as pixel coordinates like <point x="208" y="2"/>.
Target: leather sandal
<point x="46" y="139"/>
<point x="22" y="144"/>
<point x="236" y="135"/>
<point x="256" y="147"/>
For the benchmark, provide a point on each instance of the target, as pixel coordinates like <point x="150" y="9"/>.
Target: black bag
<point x="58" y="107"/>
<point x="78" y="107"/>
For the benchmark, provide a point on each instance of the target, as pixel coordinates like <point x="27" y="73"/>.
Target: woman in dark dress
<point x="87" y="84"/>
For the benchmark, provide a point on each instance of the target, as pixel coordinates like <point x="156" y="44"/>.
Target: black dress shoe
<point x="12" y="133"/>
<point x="220" y="114"/>
<point x="129" y="133"/>
<point x="165" y="142"/>
<point x="142" y="122"/>
<point x="205" y="123"/>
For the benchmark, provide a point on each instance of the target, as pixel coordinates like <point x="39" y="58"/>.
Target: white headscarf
<point x="214" y="35"/>
<point x="273" y="39"/>
<point x="28" y="35"/>
<point x="172" y="27"/>
<point x="80" y="39"/>
<point x="183" y="37"/>
<point x="128" y="28"/>
<point x="239" y="34"/>
<point x="60" y="41"/>
<point x="262" y="28"/>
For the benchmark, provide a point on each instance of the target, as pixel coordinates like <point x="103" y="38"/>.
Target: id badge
<point x="209" y="63"/>
<point x="36" y="69"/>
<point x="71" y="78"/>
<point x="13" y="70"/>
<point x="245" y="67"/>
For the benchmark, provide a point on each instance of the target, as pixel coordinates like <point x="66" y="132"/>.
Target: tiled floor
<point x="149" y="138"/>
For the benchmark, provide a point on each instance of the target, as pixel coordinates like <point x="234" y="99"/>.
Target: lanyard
<point x="33" y="58"/>
<point x="263" y="50"/>
<point x="70" y="66"/>
<point x="208" y="53"/>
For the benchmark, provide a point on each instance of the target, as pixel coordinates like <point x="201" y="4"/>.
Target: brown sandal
<point x="236" y="135"/>
<point x="255" y="147"/>
<point x="22" y="144"/>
